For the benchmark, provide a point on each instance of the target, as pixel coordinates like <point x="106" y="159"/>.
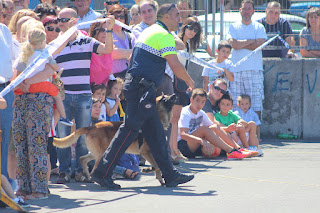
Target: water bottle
<point x="287" y="136"/>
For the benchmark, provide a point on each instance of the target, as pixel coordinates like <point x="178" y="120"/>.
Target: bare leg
<point x="252" y="129"/>
<point x="56" y="116"/>
<point x="241" y="132"/>
<point x="176" y="110"/>
<point x="224" y="136"/>
<point x="6" y="187"/>
<point x="205" y="133"/>
<point x="60" y="106"/>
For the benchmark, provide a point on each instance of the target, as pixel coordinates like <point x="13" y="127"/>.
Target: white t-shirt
<point x="240" y="31"/>
<point x="192" y="121"/>
<point x="103" y="113"/>
<point x="212" y="73"/>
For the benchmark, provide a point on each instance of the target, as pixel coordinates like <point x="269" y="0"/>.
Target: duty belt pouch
<point x="180" y="85"/>
<point x="147" y="103"/>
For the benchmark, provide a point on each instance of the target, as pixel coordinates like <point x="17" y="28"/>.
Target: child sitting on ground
<point x="228" y="118"/>
<point x="31" y="49"/>
<point x="195" y="130"/>
<point x="222" y="61"/>
<point x="246" y="113"/>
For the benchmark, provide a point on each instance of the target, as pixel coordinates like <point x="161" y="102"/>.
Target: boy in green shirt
<point x="228" y="118"/>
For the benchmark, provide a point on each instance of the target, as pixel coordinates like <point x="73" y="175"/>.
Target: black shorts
<point x="184" y="149"/>
<point x="183" y="98"/>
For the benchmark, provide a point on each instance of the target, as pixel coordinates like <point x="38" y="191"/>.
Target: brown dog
<point x="100" y="135"/>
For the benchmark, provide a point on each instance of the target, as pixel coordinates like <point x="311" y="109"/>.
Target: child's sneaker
<point x="236" y="154"/>
<point x="21" y="202"/>
<point x="254" y="148"/>
<point x="65" y="121"/>
<point x="251" y="152"/>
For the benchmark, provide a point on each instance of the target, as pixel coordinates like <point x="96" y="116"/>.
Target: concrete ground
<point x="286" y="179"/>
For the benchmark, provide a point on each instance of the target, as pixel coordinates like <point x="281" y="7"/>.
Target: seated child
<point x="128" y="166"/>
<point x="222" y="61"/>
<point x="31" y="49"/>
<point x="246" y="113"/>
<point x="195" y="130"/>
<point x="229" y="118"/>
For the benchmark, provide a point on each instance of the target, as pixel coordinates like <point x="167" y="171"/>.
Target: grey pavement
<point x="286" y="179"/>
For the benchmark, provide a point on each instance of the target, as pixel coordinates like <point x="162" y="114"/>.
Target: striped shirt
<point x="75" y="58"/>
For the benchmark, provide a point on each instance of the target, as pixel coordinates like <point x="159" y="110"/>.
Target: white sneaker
<point x="254" y="148"/>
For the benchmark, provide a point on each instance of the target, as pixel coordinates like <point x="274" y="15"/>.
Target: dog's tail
<point x="70" y="139"/>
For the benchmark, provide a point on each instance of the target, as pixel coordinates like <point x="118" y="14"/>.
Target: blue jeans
<point x="6" y="116"/>
<point x="77" y="106"/>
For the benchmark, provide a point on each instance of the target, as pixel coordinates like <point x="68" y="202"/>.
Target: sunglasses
<point x="220" y="90"/>
<point x="63" y="20"/>
<point x="195" y="29"/>
<point x="119" y="17"/>
<point x="171" y="6"/>
<point x="112" y="2"/>
<point x="50" y="28"/>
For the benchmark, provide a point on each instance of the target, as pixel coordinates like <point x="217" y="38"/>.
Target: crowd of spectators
<point x="95" y="61"/>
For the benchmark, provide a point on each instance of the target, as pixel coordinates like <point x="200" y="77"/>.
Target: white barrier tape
<point x="49" y="50"/>
<point x="255" y="51"/>
<point x="284" y="42"/>
<point x="198" y="61"/>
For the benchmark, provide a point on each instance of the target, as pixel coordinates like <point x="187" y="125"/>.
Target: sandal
<point x="132" y="175"/>
<point x="34" y="196"/>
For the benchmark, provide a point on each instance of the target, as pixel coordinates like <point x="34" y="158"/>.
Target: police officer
<point x="154" y="47"/>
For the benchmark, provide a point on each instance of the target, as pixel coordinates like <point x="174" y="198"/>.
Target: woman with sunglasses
<point x="123" y="41"/>
<point x="190" y="34"/>
<point x="52" y="30"/>
<point x="101" y="65"/>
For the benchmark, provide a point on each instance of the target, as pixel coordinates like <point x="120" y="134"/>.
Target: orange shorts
<point x="44" y="87"/>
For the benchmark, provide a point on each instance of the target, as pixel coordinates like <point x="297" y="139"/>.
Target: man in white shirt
<point x="244" y="37"/>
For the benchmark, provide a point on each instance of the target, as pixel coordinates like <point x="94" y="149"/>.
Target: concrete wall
<point x="292" y="96"/>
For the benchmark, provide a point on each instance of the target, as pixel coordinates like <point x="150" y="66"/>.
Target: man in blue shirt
<point x="275" y="25"/>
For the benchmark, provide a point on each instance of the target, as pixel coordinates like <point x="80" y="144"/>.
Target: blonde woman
<point x="32" y="119"/>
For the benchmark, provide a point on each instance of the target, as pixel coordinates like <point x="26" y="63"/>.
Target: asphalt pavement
<point x="286" y="179"/>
